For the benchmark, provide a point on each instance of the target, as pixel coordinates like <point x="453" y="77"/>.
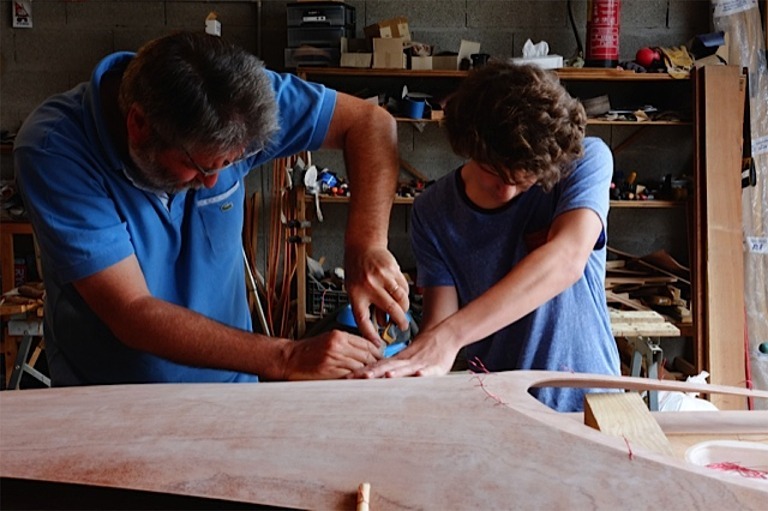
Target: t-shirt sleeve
<point x="73" y="215"/>
<point x="305" y="113"/>
<point x="588" y="185"/>
<point x="431" y="269"/>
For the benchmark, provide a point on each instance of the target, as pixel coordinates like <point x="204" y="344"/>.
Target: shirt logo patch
<point x="226" y="206"/>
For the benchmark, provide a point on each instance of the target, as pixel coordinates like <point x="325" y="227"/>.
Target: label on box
<point x="757" y="245"/>
<point x="22" y="14"/>
<point x="760" y="146"/>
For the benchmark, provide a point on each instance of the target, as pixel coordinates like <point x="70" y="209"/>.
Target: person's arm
<point x="368" y="136"/>
<point x="119" y="296"/>
<point x="540" y="276"/>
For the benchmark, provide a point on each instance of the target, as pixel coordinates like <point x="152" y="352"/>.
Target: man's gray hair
<point x="201" y="93"/>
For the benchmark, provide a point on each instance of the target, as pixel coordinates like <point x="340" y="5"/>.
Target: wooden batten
<point x="625" y="415"/>
<point x="719" y="264"/>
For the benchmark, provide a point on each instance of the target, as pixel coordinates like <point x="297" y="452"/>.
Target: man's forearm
<point x="372" y="167"/>
<point x="186" y="337"/>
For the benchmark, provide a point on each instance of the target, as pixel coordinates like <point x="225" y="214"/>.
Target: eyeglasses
<point x="249" y="152"/>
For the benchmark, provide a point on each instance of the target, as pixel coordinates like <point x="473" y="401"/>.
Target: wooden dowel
<point x="363" y="496"/>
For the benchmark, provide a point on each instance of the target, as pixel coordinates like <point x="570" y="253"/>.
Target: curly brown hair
<point x="516" y="118"/>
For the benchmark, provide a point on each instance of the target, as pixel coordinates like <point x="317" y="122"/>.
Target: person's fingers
<point x="394" y="289"/>
<point x="399" y="306"/>
<point x="429" y="371"/>
<point x="364" y="323"/>
<point x="397" y="314"/>
<point x="401" y="371"/>
<point x="390" y="368"/>
<point x="398" y="291"/>
<point x="364" y="350"/>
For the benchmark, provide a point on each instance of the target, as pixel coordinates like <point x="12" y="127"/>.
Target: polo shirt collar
<point x="93" y="111"/>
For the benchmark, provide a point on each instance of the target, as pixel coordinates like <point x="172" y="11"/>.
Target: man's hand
<point x="424" y="357"/>
<point x="327" y="356"/>
<point x="373" y="277"/>
<point x="367" y="134"/>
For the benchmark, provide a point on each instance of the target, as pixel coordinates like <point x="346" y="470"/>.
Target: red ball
<point x="646" y="57"/>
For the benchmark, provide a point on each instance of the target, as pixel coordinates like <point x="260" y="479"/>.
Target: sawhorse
<point x="26" y="364"/>
<point x="643" y="330"/>
<point x="23" y="322"/>
<point x="650" y="349"/>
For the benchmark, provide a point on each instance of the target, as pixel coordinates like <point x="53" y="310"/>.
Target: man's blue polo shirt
<point x="88" y="215"/>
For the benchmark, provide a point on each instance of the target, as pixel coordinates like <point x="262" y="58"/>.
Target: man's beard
<point x="148" y="173"/>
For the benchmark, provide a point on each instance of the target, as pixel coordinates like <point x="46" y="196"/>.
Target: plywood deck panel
<point x="460" y="441"/>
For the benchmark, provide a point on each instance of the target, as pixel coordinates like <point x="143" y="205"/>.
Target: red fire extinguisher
<point x="602" y="33"/>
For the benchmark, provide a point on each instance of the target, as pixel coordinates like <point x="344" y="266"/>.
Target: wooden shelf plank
<point x="599" y="74"/>
<point x="603" y="122"/>
<point x="329" y="199"/>
<point x="586" y="74"/>
<point x="595" y="122"/>
<point x="405" y="73"/>
<point x="651" y="203"/>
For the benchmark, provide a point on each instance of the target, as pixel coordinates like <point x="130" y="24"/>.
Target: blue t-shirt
<point x="88" y="215"/>
<point x="458" y="244"/>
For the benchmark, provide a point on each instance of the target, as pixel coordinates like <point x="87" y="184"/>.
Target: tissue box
<point x="545" y="62"/>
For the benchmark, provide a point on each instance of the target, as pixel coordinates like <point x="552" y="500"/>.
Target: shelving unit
<point x="710" y="128"/>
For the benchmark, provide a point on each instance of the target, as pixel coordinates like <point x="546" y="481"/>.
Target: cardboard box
<point x="445" y="62"/>
<point x="467" y="48"/>
<point x="362" y="60"/>
<point x="391" y="28"/>
<point x="355" y="53"/>
<point x="356" y="45"/>
<point x="436" y="115"/>
<point x="421" y="63"/>
<point x="388" y="53"/>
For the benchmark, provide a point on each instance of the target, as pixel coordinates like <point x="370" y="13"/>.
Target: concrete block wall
<point x="68" y="38"/>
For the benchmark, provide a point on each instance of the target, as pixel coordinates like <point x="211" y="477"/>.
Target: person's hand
<point x="373" y="277"/>
<point x="425" y="356"/>
<point x="330" y="355"/>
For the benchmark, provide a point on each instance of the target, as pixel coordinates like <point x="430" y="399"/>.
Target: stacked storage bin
<point x="315" y="30"/>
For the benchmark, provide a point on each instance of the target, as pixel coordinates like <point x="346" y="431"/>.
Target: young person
<point x="511" y="246"/>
